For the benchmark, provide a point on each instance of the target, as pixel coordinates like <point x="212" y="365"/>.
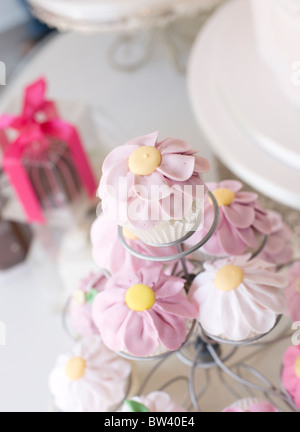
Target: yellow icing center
<point x="297" y="367"/>
<point x="128" y="234"/>
<point x="79" y="298"/>
<point x="298" y="285"/>
<point x="144" y="160"/>
<point x="75" y="368"/>
<point x="224" y="196"/>
<point x="229" y="278"/>
<point x="140" y="298"/>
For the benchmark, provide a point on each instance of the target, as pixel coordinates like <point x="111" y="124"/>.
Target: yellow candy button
<point x="297" y="367"/>
<point x="224" y="196"/>
<point x="144" y="160"/>
<point x="140" y="298"/>
<point x="75" y="368"/>
<point x="229" y="278"/>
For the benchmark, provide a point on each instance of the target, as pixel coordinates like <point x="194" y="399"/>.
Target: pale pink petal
<point x="290" y="380"/>
<point x="112" y="185"/>
<point x="140" y="337"/>
<point x="260" y="321"/>
<point x="177" y="167"/>
<point x="169" y="287"/>
<point x="263" y="407"/>
<point x="233" y="410"/>
<point x="247" y="236"/>
<point x="201" y="164"/>
<point x="262" y="223"/>
<point x="240" y="216"/>
<point x="171" y="329"/>
<point x="119" y="154"/>
<point x="122" y="280"/>
<point x="233" y="185"/>
<point x="265" y="277"/>
<point x="152" y="187"/>
<point x="150" y="275"/>
<point x="291" y="356"/>
<point x="245" y="197"/>
<point x="268" y="297"/>
<point x="146" y="140"/>
<point x="234" y="324"/>
<point x="177" y="305"/>
<point x="297" y="395"/>
<point x="173" y="146"/>
<point x="229" y="240"/>
<point x="111" y="323"/>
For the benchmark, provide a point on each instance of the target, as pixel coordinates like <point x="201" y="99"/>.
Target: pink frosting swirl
<point x="179" y="166"/>
<point x="141" y="332"/>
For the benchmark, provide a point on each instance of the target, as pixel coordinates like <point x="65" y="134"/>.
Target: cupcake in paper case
<point x="238" y="299"/>
<point x="90" y="378"/>
<point x="292" y="292"/>
<point x="243" y="223"/>
<point x="251" y="405"/>
<point x="154" y="189"/>
<point x="81" y="303"/>
<point x="154" y="402"/>
<point x="278" y="249"/>
<point x="291" y="373"/>
<point x="143" y="312"/>
<point x="109" y="253"/>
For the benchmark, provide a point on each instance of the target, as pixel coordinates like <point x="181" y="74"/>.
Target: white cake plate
<point x="114" y="15"/>
<point x="251" y="125"/>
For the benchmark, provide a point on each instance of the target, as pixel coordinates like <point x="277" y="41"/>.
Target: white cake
<point x="277" y="27"/>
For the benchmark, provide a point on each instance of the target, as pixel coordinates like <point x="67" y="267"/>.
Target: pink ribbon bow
<point x="38" y="121"/>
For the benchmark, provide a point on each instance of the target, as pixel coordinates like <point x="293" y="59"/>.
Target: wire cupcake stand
<point x="206" y="356"/>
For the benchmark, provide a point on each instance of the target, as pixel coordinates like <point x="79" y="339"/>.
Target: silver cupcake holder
<point x="207" y="354"/>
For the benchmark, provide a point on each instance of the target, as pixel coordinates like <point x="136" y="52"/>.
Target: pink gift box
<point x="46" y="164"/>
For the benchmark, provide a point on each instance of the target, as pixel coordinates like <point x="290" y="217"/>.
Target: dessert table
<point x="152" y="98"/>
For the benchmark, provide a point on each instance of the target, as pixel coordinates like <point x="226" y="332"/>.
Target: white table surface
<point x="153" y="98"/>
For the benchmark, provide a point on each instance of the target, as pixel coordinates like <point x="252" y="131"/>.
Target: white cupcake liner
<point x="170" y="231"/>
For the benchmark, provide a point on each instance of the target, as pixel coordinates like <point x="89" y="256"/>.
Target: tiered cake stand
<point x="206" y="355"/>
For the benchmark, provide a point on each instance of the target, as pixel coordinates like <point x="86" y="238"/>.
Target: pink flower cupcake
<point x="90" y="378"/>
<point x="291" y="373"/>
<point x="292" y="292"/>
<point x="140" y="312"/>
<point x="238" y="299"/>
<point x="278" y="249"/>
<point x="109" y="253"/>
<point x="81" y="303"/>
<point x="154" y="402"/>
<point x="242" y="221"/>
<point x="153" y="188"/>
<point x="251" y="405"/>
